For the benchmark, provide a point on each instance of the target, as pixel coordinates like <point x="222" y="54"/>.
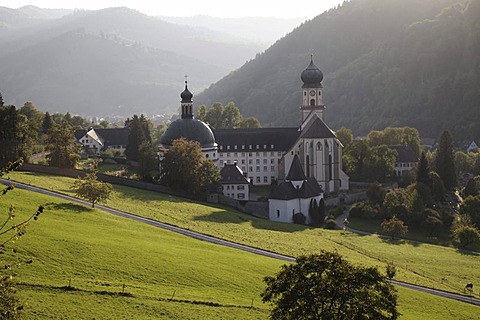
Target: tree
<point x="231" y="116"/>
<point x="345" y="136"/>
<point x="376" y="194"/>
<point x="184" y="168"/>
<point x="433" y="222"/>
<point x="250" y="122"/>
<point x="91" y="189"/>
<point x="148" y="162"/>
<point x="471" y="208"/>
<point x="437" y="187"/>
<point x="47" y="123"/>
<point x="394" y="227"/>
<point x="471" y="189"/>
<point x="423" y="170"/>
<point x="466" y="237"/>
<point x="201" y="113"/>
<point x="445" y="164"/>
<point x="139" y="134"/>
<point x="10" y="134"/>
<point x="325" y="286"/>
<point x="214" y="116"/>
<point x="62" y="146"/>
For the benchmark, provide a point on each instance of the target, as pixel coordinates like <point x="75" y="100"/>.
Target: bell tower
<point x="312" y="101"/>
<point x="187" y="103"/>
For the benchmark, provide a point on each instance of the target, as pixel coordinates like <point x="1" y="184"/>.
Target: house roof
<point x="286" y="190"/>
<point x="231" y="174"/>
<point x="281" y="139"/>
<point x="405" y="154"/>
<point x="110" y="136"/>
<point x="296" y="172"/>
<point x="316" y="128"/>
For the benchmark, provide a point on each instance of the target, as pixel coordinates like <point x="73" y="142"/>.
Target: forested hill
<point x="395" y="62"/>
<point x="114" y="61"/>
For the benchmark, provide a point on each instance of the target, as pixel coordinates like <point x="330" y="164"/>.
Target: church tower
<point x="312" y="102"/>
<point x="187" y="103"/>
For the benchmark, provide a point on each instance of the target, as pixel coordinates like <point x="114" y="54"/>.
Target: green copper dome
<point x="312" y="76"/>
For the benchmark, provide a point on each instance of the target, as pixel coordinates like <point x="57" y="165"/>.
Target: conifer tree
<point x="423" y="170"/>
<point x="445" y="164"/>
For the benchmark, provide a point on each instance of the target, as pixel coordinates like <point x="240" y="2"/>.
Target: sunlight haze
<point x="216" y="8"/>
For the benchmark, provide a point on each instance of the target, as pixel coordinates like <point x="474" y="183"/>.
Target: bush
<point x="334" y="211"/>
<point x="331" y="224"/>
<point x="466" y="237"/>
<point x="364" y="210"/>
<point x="299" y="218"/>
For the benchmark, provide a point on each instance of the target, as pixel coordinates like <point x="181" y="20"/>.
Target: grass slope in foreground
<point x="100" y="252"/>
<point x="423" y="264"/>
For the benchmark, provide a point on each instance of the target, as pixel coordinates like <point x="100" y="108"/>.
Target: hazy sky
<point x="216" y="8"/>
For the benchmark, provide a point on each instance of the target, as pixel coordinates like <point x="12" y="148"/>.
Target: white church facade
<point x="265" y="155"/>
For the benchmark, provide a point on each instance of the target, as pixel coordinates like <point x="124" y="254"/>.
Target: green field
<point x="134" y="262"/>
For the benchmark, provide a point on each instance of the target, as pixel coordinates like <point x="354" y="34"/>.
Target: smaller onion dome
<point x="186" y="95"/>
<point x="312" y="76"/>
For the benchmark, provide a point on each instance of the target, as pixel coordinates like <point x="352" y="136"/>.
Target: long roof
<point x="281" y="139"/>
<point x="111" y="136"/>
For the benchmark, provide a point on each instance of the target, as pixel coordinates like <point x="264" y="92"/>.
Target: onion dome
<point x="190" y="129"/>
<point x="312" y="76"/>
<point x="186" y="95"/>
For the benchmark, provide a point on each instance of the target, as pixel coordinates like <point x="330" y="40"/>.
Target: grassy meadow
<point x="100" y="252"/>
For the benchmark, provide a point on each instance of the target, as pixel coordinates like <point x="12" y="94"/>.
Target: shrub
<point x="466" y="237"/>
<point x="299" y="218"/>
<point x="334" y="211"/>
<point x="331" y="224"/>
<point x="364" y="210"/>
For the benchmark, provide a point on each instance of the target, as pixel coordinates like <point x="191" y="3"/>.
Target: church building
<point x="265" y="155"/>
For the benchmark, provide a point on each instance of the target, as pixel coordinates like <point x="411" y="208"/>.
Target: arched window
<point x="319" y="146"/>
<point x="312" y="102"/>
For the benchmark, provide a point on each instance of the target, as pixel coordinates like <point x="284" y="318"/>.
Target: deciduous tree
<point x="325" y="286"/>
<point x="345" y="136"/>
<point x="63" y="149"/>
<point x="394" y="227"/>
<point x="184" y="168"/>
<point x="91" y="189"/>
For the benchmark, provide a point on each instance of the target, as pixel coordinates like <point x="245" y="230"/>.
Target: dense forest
<point x="385" y="63"/>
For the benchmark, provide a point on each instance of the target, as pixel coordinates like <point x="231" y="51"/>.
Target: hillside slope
<point x="124" y="58"/>
<point x="396" y="62"/>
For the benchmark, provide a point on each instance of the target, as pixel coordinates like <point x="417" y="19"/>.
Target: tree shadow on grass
<point x="225" y="216"/>
<point x="467" y="252"/>
<point x="67" y="206"/>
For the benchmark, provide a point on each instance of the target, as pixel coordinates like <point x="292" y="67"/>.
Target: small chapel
<point x="265" y="155"/>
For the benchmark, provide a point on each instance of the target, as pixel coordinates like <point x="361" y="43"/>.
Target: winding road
<point x="203" y="237"/>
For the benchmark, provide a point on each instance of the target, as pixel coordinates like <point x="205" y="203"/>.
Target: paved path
<point x="218" y="241"/>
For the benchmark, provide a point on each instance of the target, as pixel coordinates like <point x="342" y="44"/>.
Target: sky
<point x="184" y="8"/>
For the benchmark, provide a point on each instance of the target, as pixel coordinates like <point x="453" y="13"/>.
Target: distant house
<point x="97" y="140"/>
<point x="471" y="147"/>
<point x="294" y="195"/>
<point x="428" y="143"/>
<point x="406" y="160"/>
<point x="234" y="184"/>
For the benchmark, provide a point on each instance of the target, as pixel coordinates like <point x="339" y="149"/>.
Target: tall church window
<point x="308" y="165"/>
<point x="312" y="102"/>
